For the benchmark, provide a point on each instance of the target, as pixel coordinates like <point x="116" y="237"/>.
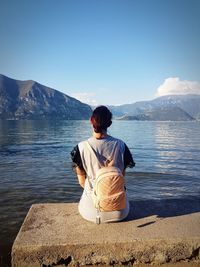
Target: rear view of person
<point x="100" y="164"/>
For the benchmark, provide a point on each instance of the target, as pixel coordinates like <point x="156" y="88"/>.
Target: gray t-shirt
<point x="105" y="149"/>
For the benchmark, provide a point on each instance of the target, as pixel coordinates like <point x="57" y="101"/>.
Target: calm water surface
<point x="35" y="164"/>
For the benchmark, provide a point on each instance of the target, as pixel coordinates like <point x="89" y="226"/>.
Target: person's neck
<point x="100" y="135"/>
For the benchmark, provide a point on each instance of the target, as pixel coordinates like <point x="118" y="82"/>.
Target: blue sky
<point x="105" y="51"/>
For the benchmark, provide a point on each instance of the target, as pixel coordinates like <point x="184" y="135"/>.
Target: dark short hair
<point x="101" y="119"/>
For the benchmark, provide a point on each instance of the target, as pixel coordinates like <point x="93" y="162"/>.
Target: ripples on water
<point x="35" y="163"/>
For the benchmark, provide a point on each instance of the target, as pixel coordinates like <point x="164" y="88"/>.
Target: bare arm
<point x="81" y="176"/>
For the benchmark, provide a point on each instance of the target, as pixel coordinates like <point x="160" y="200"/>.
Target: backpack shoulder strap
<point x="110" y="162"/>
<point x="114" y="153"/>
<point x="91" y="149"/>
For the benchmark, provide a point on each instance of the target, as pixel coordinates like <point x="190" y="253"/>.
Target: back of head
<point x="101" y="119"/>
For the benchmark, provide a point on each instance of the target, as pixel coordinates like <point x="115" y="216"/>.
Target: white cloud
<point x="87" y="98"/>
<point x="174" y="86"/>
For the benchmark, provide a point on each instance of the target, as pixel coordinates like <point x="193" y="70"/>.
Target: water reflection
<point x="177" y="148"/>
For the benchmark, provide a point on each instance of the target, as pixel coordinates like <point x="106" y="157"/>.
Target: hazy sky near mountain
<point x="103" y="51"/>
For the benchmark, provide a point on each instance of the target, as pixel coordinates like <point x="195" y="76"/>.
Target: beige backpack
<point x="109" y="187"/>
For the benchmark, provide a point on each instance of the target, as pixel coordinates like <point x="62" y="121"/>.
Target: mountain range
<point x="32" y="100"/>
<point x="170" y="107"/>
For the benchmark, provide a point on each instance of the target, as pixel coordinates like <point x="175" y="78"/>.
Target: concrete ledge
<point x="56" y="235"/>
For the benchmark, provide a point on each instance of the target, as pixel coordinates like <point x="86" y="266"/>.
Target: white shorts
<point x="89" y="212"/>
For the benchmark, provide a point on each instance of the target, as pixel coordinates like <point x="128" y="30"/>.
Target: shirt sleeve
<point x="76" y="158"/>
<point x="128" y="159"/>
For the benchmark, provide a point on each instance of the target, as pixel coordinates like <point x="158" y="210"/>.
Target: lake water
<point x="35" y="164"/>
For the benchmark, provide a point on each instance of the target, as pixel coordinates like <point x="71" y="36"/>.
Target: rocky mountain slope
<point x="31" y="100"/>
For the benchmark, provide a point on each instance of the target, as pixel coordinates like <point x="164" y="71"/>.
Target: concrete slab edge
<point x="136" y="252"/>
